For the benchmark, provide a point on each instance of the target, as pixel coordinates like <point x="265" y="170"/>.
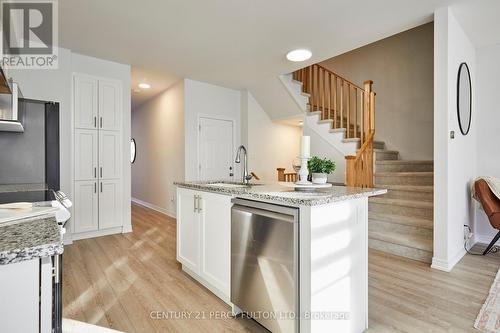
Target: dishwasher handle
<point x="265" y="213"/>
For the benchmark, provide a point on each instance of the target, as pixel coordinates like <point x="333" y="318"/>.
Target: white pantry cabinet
<point x="97" y="156"/>
<point x="204" y="238"/>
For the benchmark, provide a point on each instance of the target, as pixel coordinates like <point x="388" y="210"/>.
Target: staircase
<point x="401" y="221"/>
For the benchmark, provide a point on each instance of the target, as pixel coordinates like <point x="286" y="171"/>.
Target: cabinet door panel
<point x="188" y="241"/>
<point x="110" y="204"/>
<point x="109" y="154"/>
<point x="85" y="154"/>
<point x="19" y="291"/>
<point x="86" y="206"/>
<point x="110" y="110"/>
<point x="85" y="102"/>
<point x="216" y="240"/>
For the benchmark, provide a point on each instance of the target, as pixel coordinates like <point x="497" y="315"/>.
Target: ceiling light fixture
<point x="299" y="55"/>
<point x="301" y="123"/>
<point x="144" y="85"/>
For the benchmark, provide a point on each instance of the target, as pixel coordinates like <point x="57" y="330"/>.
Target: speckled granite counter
<point x="28" y="239"/>
<point x="278" y="194"/>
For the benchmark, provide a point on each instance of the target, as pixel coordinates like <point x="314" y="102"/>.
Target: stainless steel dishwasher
<point x="265" y="264"/>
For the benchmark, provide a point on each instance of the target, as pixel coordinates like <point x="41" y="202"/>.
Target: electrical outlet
<point x="467" y="233"/>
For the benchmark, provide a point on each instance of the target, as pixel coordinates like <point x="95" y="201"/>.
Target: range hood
<point x="10" y="114"/>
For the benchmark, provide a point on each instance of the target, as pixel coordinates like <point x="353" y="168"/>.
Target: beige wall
<point x="401" y="67"/>
<point x="158" y="129"/>
<point x="271" y="145"/>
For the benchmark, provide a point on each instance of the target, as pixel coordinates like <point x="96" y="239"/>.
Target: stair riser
<point x="415" y="222"/>
<point x="383" y="156"/>
<point x="405" y="231"/>
<point x="422" y="180"/>
<point x="410" y="195"/>
<point x="403" y="251"/>
<point x="401" y="210"/>
<point x="404" y="167"/>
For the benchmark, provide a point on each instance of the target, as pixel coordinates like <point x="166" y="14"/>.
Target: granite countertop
<point x="279" y="194"/>
<point x="29" y="238"/>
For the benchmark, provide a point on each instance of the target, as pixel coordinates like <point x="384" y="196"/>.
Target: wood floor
<point x="122" y="281"/>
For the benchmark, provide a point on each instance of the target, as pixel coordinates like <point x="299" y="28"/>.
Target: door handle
<point x="100" y="120"/>
<point x="100" y="170"/>
<point x="95" y="187"/>
<point x="95" y="121"/>
<point x="199" y="204"/>
<point x="101" y="187"/>
<point x="95" y="172"/>
<point x="195" y="201"/>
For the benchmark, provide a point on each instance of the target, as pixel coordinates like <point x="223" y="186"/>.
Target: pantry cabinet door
<point x="85" y="99"/>
<point x="86" y="154"/>
<point x="109" y="155"/>
<point x="86" y="206"/>
<point x="110" y="204"/>
<point x="110" y="110"/>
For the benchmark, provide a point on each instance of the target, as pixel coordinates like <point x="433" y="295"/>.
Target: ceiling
<point x="233" y="43"/>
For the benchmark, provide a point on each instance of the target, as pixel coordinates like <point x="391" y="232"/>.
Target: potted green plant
<point x="320" y="169"/>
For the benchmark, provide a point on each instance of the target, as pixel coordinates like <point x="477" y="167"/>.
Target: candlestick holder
<point x="303" y="172"/>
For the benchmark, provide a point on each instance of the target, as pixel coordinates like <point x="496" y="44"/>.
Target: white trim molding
<point x="447" y="265"/>
<point x="154" y="207"/>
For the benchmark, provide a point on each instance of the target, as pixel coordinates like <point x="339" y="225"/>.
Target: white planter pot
<point x="319" y="178"/>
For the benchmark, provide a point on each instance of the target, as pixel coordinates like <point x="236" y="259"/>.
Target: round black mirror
<point x="133" y="151"/>
<point x="464" y="98"/>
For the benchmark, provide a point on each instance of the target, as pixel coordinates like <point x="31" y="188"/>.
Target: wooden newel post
<point x="281" y="174"/>
<point x="350" y="170"/>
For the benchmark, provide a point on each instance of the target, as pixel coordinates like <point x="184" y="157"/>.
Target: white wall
<point x="158" y="129"/>
<point x="454" y="159"/>
<point x="487" y="120"/>
<point x="401" y="67"/>
<point x="271" y="145"/>
<point x="55" y="85"/>
<point x="204" y="99"/>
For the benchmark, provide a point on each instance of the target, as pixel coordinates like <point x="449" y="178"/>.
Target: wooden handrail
<point x="349" y="106"/>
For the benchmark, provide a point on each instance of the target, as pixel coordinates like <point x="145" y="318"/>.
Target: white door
<point x="216" y="145"/>
<point x="188" y="229"/>
<point x="110" y="110"/>
<point x="109" y="155"/>
<point x="215" y="219"/>
<point x="85" y="102"/>
<point x="110" y="204"/>
<point x="85" y="207"/>
<point x="85" y="154"/>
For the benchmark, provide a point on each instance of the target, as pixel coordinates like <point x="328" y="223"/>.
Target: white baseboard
<point x="154" y="207"/>
<point x="447" y="265"/>
<point x="97" y="233"/>
<point x="484" y="239"/>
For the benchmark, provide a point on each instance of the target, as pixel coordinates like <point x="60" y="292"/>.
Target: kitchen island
<point x="331" y="270"/>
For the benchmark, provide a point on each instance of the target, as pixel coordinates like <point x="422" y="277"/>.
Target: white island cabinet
<point x="331" y="251"/>
<point x="204" y="238"/>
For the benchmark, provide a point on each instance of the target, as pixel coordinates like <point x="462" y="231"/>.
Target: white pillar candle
<point x="305" y="146"/>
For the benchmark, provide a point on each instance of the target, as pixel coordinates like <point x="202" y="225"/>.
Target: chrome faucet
<point x="245" y="179"/>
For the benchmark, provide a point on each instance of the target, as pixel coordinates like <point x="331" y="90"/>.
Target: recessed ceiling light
<point x="144" y="85"/>
<point x="301" y="123"/>
<point x="299" y="55"/>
